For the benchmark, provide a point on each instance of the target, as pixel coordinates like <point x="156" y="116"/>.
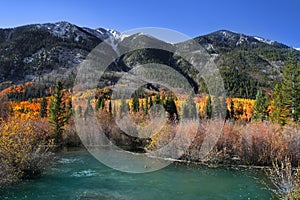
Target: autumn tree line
<point x="282" y="106"/>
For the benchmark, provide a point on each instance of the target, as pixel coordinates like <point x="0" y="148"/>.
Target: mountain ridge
<point x="52" y="51"/>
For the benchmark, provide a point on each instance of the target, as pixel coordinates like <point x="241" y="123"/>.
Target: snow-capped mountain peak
<point x="117" y="35"/>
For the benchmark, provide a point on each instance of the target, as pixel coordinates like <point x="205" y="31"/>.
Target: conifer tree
<point x="171" y="108"/>
<point x="89" y="109"/>
<point x="79" y="111"/>
<point x="100" y="103"/>
<point x="150" y="101"/>
<point x="157" y="99"/>
<point x="291" y="87"/>
<point x="135" y="103"/>
<point x="260" y="107"/>
<point x="231" y="109"/>
<point x="279" y="113"/>
<point x="146" y="108"/>
<point x="142" y="105"/>
<point x="110" y="106"/>
<point x="189" y="109"/>
<point x="157" y="105"/>
<point x="43" y="107"/>
<point x="57" y="113"/>
<point x="208" y="108"/>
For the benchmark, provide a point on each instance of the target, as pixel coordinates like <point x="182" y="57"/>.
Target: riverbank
<point x="251" y="145"/>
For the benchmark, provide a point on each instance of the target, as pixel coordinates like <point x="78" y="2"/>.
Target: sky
<point x="271" y="19"/>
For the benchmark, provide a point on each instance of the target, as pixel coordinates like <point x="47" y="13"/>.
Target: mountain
<point x="45" y="53"/>
<point x="250" y="60"/>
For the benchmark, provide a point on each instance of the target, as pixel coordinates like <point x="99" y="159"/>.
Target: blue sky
<point x="275" y="20"/>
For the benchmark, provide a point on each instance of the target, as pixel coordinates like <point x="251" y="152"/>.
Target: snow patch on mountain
<point x="117" y="35"/>
<point x="241" y="40"/>
<point x="62" y="29"/>
<point x="224" y="33"/>
<point x="298" y="49"/>
<point x="209" y="46"/>
<point x="270" y="42"/>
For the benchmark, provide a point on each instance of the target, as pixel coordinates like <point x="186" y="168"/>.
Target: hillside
<point x="45" y="53"/>
<point x="251" y="60"/>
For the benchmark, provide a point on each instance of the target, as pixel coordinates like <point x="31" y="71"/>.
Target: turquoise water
<point x="77" y="175"/>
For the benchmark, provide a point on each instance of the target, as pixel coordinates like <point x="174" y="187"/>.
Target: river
<point x="77" y="175"/>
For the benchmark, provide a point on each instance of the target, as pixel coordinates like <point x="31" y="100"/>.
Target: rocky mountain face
<point x="45" y="52"/>
<point x="49" y="52"/>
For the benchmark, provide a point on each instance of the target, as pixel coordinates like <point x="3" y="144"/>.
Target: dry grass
<point x="256" y="143"/>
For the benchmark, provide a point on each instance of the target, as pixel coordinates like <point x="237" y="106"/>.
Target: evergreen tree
<point x="146" y="108"/>
<point x="89" y="109"/>
<point x="157" y="99"/>
<point x="171" y="108"/>
<point x="291" y="87"/>
<point x="150" y="101"/>
<point x="100" y="103"/>
<point x="110" y="106"/>
<point x="189" y="109"/>
<point x="279" y="113"/>
<point x="135" y="103"/>
<point x="57" y="113"/>
<point x="260" y="107"/>
<point x="79" y="111"/>
<point x="231" y="109"/>
<point x="142" y="105"/>
<point x="208" y="108"/>
<point x="43" y="107"/>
